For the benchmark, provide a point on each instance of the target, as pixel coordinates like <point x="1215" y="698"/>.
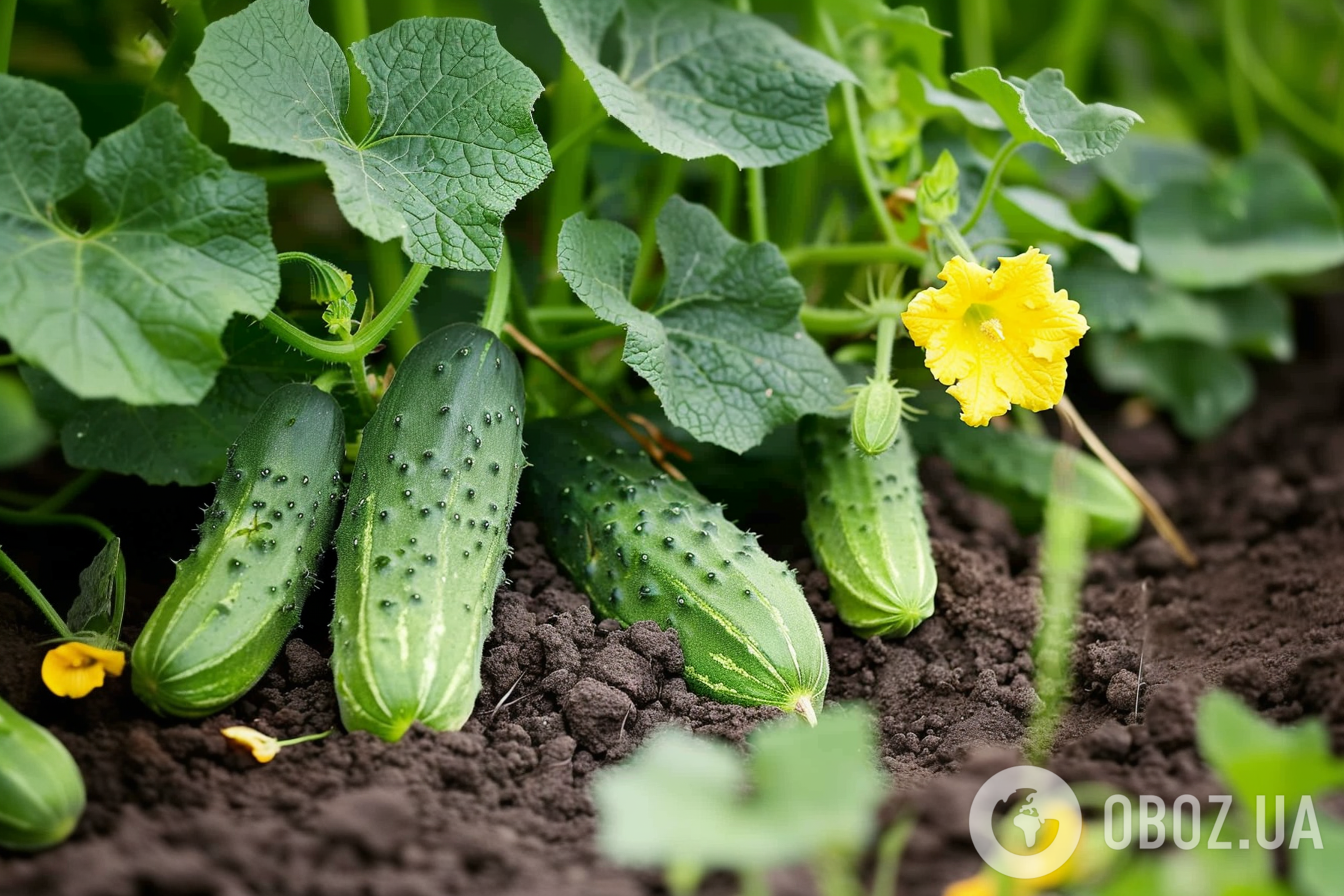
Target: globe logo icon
<point x="1025" y="822"/>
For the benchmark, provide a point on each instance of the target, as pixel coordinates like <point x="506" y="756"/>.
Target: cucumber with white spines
<point x="865" y="522"/>
<point x="647" y="547"/>
<point x="237" y="597"/>
<point x="421" y="547"/>
<point x="41" y="789"/>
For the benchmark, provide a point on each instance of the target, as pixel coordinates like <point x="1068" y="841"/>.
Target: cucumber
<point x="420" y="550"/>
<point x="647" y="547"/>
<point x="237" y="597"/>
<point x="41" y="790"/>
<point x="1015" y="469"/>
<point x="865" y="522"/>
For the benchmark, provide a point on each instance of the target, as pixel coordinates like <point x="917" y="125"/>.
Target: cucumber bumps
<point x="420" y="550"/>
<point x="237" y="597"/>
<point x="41" y="790"/>
<point x="646" y="547"/>
<point x="865" y="522"/>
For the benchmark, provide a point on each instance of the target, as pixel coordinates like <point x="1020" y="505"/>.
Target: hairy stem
<point x="886" y="339"/>
<point x="11" y="568"/>
<point x="368" y="337"/>
<point x="497" y="300"/>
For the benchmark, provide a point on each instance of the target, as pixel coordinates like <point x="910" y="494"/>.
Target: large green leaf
<point x="802" y="793"/>
<point x="1042" y="110"/>
<point x="130" y="307"/>
<point x="452" y="148"/>
<point x="1054" y="213"/>
<point x="1142" y="167"/>
<point x="1255" y="319"/>
<point x="1268" y="214"/>
<point x="178" y="444"/>
<point x="723" y="346"/>
<point x="698" y="79"/>
<point x="1203" y="386"/>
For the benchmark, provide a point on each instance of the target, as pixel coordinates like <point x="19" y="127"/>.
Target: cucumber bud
<point x="879" y="408"/>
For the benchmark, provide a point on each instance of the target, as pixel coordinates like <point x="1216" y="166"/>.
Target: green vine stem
<point x="359" y="382"/>
<point x="351" y="21"/>
<point x="368" y="337"/>
<point x="579" y="135"/>
<point x="956" y="241"/>
<point x="756" y="211"/>
<point x="728" y="193"/>
<point x="854" y="123"/>
<point x="11" y="568"/>
<point x="669" y="176"/>
<point x="387" y="269"/>
<point x="836" y="321"/>
<point x="496" y="312"/>
<point x="67" y="493"/>
<point x="168" y="82"/>
<point x="8" y="8"/>
<point x="293" y="173"/>
<point x="975" y="20"/>
<point x="1238" y="90"/>
<point x="886" y="340"/>
<point x="854" y="253"/>
<point x="575" y="118"/>
<point x="991" y="184"/>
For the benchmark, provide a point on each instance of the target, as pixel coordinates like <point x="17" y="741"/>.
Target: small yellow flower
<point x="74" y="668"/>
<point x="263" y="746"/>
<point x="997" y="338"/>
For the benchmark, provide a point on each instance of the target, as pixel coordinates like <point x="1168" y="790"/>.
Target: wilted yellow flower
<point x="263" y="746"/>
<point x="997" y="338"/>
<point x="74" y="668"/>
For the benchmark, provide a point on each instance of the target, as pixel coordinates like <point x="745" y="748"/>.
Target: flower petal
<point x="74" y="669"/>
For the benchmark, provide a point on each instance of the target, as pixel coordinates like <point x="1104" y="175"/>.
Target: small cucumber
<point x="865" y="522"/>
<point x="646" y="547"/>
<point x="41" y="790"/>
<point x="420" y="550"/>
<point x="1015" y="469"/>
<point x="239" y="594"/>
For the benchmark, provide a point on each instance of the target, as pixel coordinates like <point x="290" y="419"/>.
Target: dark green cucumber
<point x="41" y="790"/>
<point x="237" y="597"/>
<point x="647" y="547"/>
<point x="421" y="547"/>
<point x="865" y="522"/>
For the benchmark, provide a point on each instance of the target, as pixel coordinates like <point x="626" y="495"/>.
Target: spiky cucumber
<point x="647" y="547"/>
<point x="239" y="594"/>
<point x="865" y="522"/>
<point x="420" y="550"/>
<point x="41" y="789"/>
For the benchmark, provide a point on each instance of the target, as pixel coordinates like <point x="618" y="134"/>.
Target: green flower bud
<point x="41" y="790"/>
<point x="879" y="408"/>
<point x="938" y="194"/>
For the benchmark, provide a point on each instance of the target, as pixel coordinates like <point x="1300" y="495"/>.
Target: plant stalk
<point x="8" y="9"/>
<point x="9" y="360"/>
<point x="756" y="210"/>
<point x="188" y="31"/>
<point x="67" y="493"/>
<point x="368" y="337"/>
<point x="854" y="253"/>
<point x="497" y="300"/>
<point x="991" y="183"/>
<point x="11" y="568"/>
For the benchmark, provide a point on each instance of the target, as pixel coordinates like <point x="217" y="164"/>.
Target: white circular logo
<point x="1041" y="830"/>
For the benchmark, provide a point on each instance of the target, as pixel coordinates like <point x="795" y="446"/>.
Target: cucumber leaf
<point x="178" y="444"/>
<point x="1053" y="212"/>
<point x="697" y="79"/>
<point x="453" y="146"/>
<point x="878" y="43"/>
<point x="93" y="609"/>
<point x="1204" y="387"/>
<point x="1269" y="214"/>
<point x="722" y="347"/>
<point x="921" y="97"/>
<point x="1042" y="110"/>
<point x="689" y="802"/>
<point x="1254" y="757"/>
<point x="1142" y="166"/>
<point x="132" y="306"/>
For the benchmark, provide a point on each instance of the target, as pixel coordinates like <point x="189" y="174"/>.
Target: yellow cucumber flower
<point x="262" y="746"/>
<point x="997" y="338"/>
<point x="74" y="668"/>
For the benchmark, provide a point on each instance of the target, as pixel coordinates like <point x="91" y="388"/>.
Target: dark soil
<point x="502" y="806"/>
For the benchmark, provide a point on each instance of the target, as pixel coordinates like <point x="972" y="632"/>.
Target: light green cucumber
<point x="420" y="550"/>
<point x="865" y="522"/>
<point x="41" y="790"/>
<point x="239" y="594"/>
